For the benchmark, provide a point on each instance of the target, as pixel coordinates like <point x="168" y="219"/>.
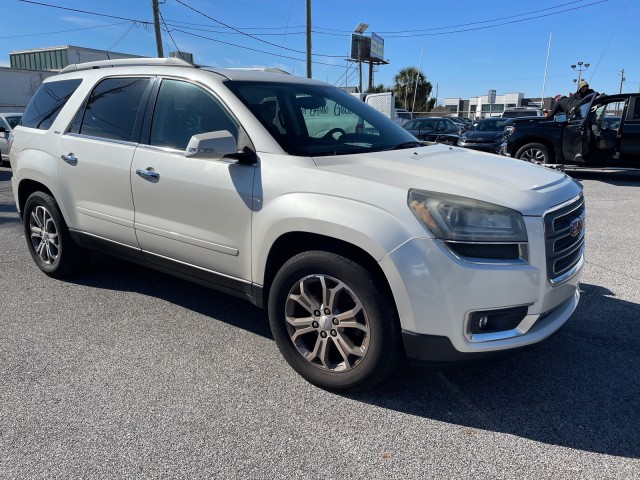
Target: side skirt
<point x="207" y="278"/>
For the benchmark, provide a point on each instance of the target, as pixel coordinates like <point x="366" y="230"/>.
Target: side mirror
<point x="211" y="145"/>
<point x="3" y="130"/>
<point x="561" y="118"/>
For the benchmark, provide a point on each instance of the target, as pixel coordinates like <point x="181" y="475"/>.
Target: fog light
<point x="498" y="320"/>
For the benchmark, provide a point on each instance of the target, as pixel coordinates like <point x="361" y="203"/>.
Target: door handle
<point x="148" y="173"/>
<point x="70" y="159"/>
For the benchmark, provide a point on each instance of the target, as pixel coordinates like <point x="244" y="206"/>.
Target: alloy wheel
<point x="327" y="323"/>
<point x="44" y="235"/>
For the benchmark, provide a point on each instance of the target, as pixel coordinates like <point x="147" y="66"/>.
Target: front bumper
<point x="435" y="349"/>
<point x="484" y="147"/>
<point x="438" y="294"/>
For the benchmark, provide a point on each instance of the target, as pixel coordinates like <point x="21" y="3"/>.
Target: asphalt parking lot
<point x="123" y="372"/>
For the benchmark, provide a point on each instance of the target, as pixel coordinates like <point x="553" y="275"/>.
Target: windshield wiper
<point x="402" y="145"/>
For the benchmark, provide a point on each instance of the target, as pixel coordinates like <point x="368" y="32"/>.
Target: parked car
<point x="486" y="134"/>
<point x="514" y="112"/>
<point x="434" y="129"/>
<point x="8" y="121"/>
<point x="464" y="126"/>
<point x="363" y="247"/>
<point x="589" y="137"/>
<point x="403" y="116"/>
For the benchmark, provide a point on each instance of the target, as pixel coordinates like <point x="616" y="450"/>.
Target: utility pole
<point x="308" y="38"/>
<point x="156" y="24"/>
<point x="622" y="79"/>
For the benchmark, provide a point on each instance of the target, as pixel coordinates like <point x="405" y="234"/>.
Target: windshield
<point x="318" y="120"/>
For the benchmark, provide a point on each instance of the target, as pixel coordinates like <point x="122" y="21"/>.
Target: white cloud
<point x="82" y="21"/>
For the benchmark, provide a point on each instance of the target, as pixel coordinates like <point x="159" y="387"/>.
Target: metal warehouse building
<point x="56" y="58"/>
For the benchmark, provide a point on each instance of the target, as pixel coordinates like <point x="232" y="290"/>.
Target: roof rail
<point x="128" y="62"/>
<point x="259" y="69"/>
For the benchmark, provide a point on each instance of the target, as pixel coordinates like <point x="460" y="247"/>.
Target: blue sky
<point x="470" y="46"/>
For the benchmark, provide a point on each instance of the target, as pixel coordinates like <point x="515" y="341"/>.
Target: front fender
<point x="370" y="228"/>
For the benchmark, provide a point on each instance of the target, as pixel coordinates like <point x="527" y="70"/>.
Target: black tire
<point x="50" y="244"/>
<point x="334" y="324"/>
<point x="534" y="153"/>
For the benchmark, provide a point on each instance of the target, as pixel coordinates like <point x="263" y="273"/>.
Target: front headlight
<point x="461" y="219"/>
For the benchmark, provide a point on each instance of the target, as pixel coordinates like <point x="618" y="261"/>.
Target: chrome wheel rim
<point x="533" y="155"/>
<point x="44" y="235"/>
<point x="327" y="323"/>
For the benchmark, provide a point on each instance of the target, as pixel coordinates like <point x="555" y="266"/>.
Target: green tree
<point x="379" y="89"/>
<point x="405" y="89"/>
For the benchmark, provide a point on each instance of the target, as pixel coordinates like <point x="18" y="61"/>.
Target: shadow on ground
<point x="621" y="178"/>
<point x="579" y="389"/>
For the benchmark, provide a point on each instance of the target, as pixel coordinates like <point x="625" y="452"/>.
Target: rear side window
<point x="46" y="104"/>
<point x="112" y="109"/>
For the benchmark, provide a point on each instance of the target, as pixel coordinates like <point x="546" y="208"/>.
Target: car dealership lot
<point x="125" y="372"/>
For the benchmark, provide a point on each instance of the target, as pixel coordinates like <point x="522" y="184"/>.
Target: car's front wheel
<point x="333" y="322"/>
<point x="535" y="153"/>
<point x="48" y="238"/>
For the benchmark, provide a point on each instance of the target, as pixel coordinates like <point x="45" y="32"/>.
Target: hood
<point x="528" y="188"/>
<point x="486" y="135"/>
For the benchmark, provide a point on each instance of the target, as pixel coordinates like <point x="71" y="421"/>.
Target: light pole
<point x="579" y="69"/>
<point x="360" y="30"/>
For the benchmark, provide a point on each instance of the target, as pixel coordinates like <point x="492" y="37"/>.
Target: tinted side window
<point x="183" y="110"/>
<point x="112" y="108"/>
<point x="636" y="110"/>
<point x="46" y="104"/>
<point x="581" y="111"/>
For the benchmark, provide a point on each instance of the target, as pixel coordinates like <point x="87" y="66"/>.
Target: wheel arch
<point x="293" y="243"/>
<point x="26" y="187"/>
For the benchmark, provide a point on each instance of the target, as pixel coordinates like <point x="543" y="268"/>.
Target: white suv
<point x="363" y="244"/>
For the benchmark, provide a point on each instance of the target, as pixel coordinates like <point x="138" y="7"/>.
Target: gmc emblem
<point x="577" y="226"/>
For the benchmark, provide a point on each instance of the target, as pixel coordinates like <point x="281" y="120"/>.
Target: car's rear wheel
<point x="535" y="153"/>
<point x="48" y="238"/>
<point x="333" y="322"/>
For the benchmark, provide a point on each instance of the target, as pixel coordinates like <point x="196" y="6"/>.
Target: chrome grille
<point x="564" y="239"/>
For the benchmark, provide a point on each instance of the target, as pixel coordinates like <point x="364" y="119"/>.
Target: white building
<point x="18" y="86"/>
<point x="480" y="107"/>
<point x="56" y="58"/>
<point x="30" y="67"/>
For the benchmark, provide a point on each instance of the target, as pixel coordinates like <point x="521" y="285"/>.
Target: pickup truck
<point x="587" y="137"/>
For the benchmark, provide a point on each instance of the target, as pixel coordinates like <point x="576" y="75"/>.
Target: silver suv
<point x="364" y="244"/>
<point x="8" y="121"/>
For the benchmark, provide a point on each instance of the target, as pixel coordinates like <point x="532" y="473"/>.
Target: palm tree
<point x="405" y="89"/>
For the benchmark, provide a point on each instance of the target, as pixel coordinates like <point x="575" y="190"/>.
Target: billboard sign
<point x="377" y="47"/>
<point x="360" y="47"/>
<point x="491" y="97"/>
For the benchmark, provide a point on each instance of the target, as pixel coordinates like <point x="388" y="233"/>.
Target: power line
<point x="168" y="31"/>
<point x="497" y="24"/>
<point x="87" y="12"/>
<point x="286" y="29"/>
<point x="65" y="31"/>
<point x="475" y="23"/>
<point x="133" y="24"/>
<point x="249" y="35"/>
<point x="252" y="49"/>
